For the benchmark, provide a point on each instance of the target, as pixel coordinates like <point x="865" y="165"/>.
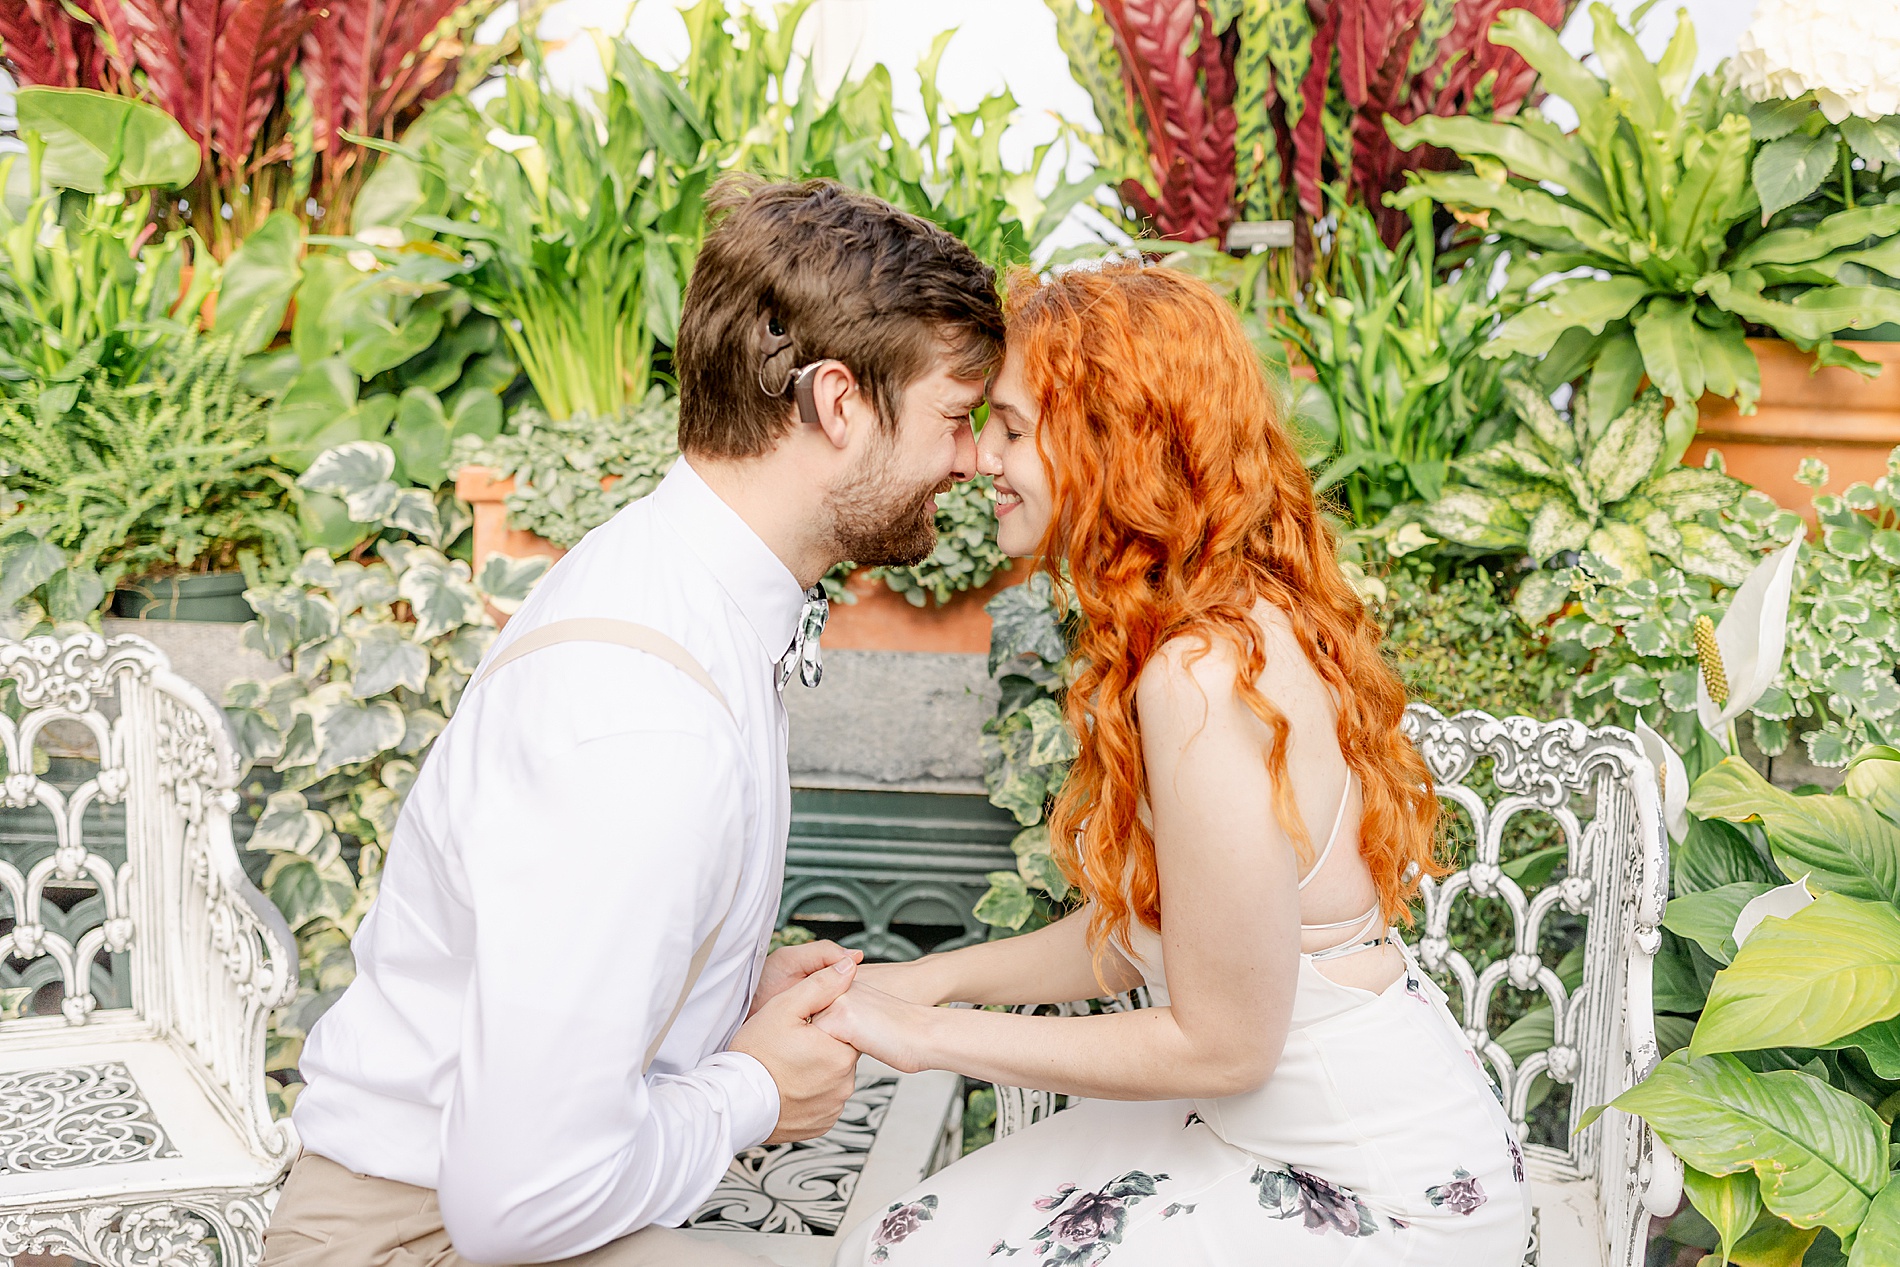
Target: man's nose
<point x="964" y="467"/>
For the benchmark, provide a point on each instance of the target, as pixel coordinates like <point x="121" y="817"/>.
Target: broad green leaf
<point x="385" y="660"/>
<point x="1539" y="596"/>
<point x="1879" y="1042"/>
<point x="1790" y="169"/>
<point x="1671" y="343"/>
<point x="1871" y="143"/>
<point x="99" y="141"/>
<point x="1812" y="242"/>
<point x="1007" y="904"/>
<point x="381" y="346"/>
<point x="25" y="565"/>
<point x="1831" y="969"/>
<point x="1714" y="854"/>
<point x="1623" y="546"/>
<point x="1627" y="451"/>
<point x="1476" y="519"/>
<point x="1770" y="120"/>
<point x="1563" y="162"/>
<point x="1709" y="552"/>
<point x="1843" y="845"/>
<point x="1539" y="46"/>
<point x="1707" y="918"/>
<point x="1731" y="1203"/>
<point x="1877" y="1244"/>
<point x="1556" y="527"/>
<point x="421" y="437"/>
<point x="1776" y="1243"/>
<point x="1615" y="375"/>
<point x="73" y="594"/>
<point x="259" y="279"/>
<point x="1874" y="777"/>
<point x="1820" y="1154"/>
<point x="1592" y="304"/>
<point x="1541" y="417"/>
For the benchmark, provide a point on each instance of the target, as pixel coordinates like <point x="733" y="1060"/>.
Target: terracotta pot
<point x="881" y="619"/>
<point x="1847" y="421"/>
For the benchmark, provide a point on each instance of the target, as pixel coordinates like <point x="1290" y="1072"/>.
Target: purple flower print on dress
<point x="1462" y="1195"/>
<point x="898" y="1223"/>
<point x="1005" y="1248"/>
<point x="1323" y="1206"/>
<point x="1517" y="1158"/>
<point x="1088" y="1224"/>
<point x="1177" y="1208"/>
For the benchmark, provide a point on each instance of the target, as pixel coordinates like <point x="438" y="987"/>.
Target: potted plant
<point x="1650" y="213"/>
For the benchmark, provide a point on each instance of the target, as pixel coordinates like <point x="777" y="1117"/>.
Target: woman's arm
<point x="1229" y="919"/>
<point x="1050" y="965"/>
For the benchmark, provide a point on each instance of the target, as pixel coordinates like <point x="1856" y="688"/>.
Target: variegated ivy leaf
<point x="441" y="598"/>
<point x="257" y="735"/>
<point x="1853" y="541"/>
<point x="289" y="825"/>
<point x="1634" y="687"/>
<point x="1050" y="739"/>
<point x="379" y="807"/>
<point x="1627" y="451"/>
<point x="300" y="748"/>
<point x="414" y="511"/>
<point x="1828" y="749"/>
<point x="1775" y="704"/>
<point x="1772" y="736"/>
<point x="1647" y="637"/>
<point x="368" y="589"/>
<point x="464" y="652"/>
<point x="1886" y="546"/>
<point x="1007" y="904"/>
<point x="1509" y="468"/>
<point x="1035" y="863"/>
<point x="420" y="728"/>
<point x="1709" y="552"/>
<point x="1595" y="636"/>
<point x="1556" y="527"/>
<point x="506" y="582"/>
<point x="385" y="660"/>
<point x="349" y="731"/>
<point x="317" y="568"/>
<point x="1679" y="687"/>
<point x="1472" y="518"/>
<point x="1872" y="691"/>
<point x="1623" y="546"/>
<point x="1540" y="595"/>
<point x="359" y="473"/>
<point x="399" y="776"/>
<point x="288" y="620"/>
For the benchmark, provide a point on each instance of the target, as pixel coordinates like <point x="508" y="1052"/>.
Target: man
<point x="564" y="1023"/>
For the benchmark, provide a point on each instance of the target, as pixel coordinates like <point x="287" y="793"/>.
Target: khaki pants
<point x="332" y="1217"/>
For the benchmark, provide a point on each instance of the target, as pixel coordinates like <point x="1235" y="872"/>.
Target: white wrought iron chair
<point x="134" y="1125"/>
<point x="1593" y="1189"/>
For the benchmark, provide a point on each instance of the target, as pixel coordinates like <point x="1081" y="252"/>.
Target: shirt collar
<point x="755" y="578"/>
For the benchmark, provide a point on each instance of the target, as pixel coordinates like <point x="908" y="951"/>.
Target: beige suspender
<point x="640" y="638"/>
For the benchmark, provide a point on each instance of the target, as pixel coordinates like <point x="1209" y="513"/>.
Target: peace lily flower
<point x="1741" y="656"/>
<point x="1779" y="903"/>
<point x="1673" y="775"/>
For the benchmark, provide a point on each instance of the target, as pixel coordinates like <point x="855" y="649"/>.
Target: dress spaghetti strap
<point x="1359" y="924"/>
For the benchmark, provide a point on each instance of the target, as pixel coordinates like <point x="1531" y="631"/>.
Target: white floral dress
<point x="1378" y="1139"/>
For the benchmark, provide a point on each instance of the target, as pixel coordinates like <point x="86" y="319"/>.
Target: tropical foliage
<point x="1250" y="109"/>
<point x="1655" y="225"/>
<point x="1836" y="688"/>
<point x="1780" y="1102"/>
<point x="1402" y="389"/>
<point x="275" y="95"/>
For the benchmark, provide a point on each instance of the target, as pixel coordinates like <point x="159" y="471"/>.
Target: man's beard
<point x="878" y="524"/>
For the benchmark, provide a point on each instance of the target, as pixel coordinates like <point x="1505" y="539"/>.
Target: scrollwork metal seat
<point x="1596" y="794"/>
<point x="140" y="966"/>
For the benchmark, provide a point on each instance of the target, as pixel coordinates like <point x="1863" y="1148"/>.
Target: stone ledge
<point x="892" y="721"/>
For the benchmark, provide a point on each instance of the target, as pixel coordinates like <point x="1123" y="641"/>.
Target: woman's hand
<point x="880" y="1025"/>
<point x="788" y="965"/>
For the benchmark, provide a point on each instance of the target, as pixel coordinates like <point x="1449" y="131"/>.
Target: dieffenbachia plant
<point x="1647" y="212"/>
<point x="1558" y="488"/>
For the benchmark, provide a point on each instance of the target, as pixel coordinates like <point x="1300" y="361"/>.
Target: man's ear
<point x="833" y="387"/>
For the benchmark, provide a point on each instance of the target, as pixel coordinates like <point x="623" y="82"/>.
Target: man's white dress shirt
<point x="570" y="841"/>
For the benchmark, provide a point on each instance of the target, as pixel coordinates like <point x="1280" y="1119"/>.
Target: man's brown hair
<point x="796" y="272"/>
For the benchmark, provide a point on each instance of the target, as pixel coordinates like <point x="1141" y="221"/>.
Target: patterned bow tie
<point x="803" y="656"/>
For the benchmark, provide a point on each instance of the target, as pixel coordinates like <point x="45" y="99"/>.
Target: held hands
<point x="787" y="966"/>
<point x="879" y="1025"/>
<point x="814" y="1071"/>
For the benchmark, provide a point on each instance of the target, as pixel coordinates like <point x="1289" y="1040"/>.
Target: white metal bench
<point x="1593" y="1190"/>
<point x="134" y="1126"/>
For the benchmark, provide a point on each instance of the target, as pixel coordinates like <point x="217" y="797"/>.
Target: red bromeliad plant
<point x="1253" y="109"/>
<point x="271" y="90"/>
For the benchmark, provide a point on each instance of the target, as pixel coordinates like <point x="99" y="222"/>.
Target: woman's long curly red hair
<point x="1179" y="500"/>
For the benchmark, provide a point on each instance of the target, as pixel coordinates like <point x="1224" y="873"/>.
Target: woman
<point x="1298" y="1094"/>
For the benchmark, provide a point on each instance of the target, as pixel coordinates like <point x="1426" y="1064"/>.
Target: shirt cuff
<point x="752" y="1094"/>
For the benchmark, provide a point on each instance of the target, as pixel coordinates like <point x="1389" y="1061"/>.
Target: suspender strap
<point x="625" y="633"/>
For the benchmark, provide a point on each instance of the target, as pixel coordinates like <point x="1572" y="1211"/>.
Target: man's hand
<point x="814" y="1072"/>
<point x="787" y="966"/>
